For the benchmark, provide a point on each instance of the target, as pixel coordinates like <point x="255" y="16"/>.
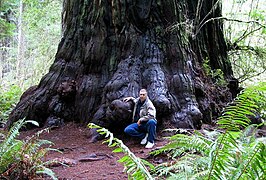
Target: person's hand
<point x="127" y="99"/>
<point x="139" y="122"/>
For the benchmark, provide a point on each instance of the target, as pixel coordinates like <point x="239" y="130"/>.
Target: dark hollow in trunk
<point x="111" y="49"/>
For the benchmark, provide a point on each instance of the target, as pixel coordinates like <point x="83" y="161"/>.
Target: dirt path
<point x="87" y="160"/>
<point x="94" y="161"/>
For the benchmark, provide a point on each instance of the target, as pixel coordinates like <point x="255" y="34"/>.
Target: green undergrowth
<point x="8" y="99"/>
<point x="24" y="159"/>
<point x="233" y="151"/>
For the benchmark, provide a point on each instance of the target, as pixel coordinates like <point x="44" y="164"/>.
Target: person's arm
<point x="129" y="99"/>
<point x="134" y="100"/>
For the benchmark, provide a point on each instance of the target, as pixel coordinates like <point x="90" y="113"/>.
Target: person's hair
<point x="143" y="90"/>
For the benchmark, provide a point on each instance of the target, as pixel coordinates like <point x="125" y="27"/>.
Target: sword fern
<point x="22" y="159"/>
<point x="134" y="166"/>
<point x="234" y="153"/>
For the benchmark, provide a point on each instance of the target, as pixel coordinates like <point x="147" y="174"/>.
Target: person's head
<point x="143" y="95"/>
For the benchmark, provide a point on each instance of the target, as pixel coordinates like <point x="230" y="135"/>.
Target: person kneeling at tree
<point x="144" y="122"/>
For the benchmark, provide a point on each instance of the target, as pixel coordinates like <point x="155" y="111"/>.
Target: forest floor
<point x="94" y="161"/>
<point x="87" y="160"/>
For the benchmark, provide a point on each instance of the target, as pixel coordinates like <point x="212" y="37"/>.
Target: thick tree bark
<point x="111" y="49"/>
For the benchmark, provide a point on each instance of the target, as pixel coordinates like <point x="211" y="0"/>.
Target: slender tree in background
<point x="7" y="27"/>
<point x="111" y="49"/>
<point x="21" y="43"/>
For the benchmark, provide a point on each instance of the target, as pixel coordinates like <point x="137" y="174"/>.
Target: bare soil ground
<point x="86" y="160"/>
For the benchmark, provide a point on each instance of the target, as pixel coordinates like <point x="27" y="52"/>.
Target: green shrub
<point x="231" y="152"/>
<point x="23" y="159"/>
<point x="8" y="99"/>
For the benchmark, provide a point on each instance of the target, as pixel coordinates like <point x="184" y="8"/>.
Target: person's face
<point x="142" y="96"/>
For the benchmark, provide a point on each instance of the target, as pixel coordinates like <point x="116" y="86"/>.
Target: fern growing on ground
<point x="232" y="152"/>
<point x="23" y="159"/>
<point x="134" y="166"/>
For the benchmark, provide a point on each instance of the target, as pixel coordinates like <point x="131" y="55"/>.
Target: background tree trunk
<point x="21" y="44"/>
<point x="111" y="49"/>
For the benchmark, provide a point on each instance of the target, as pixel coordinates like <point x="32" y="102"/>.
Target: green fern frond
<point x="12" y="134"/>
<point x="230" y="150"/>
<point x="180" y="143"/>
<point x="33" y="143"/>
<point x="254" y="165"/>
<point x="47" y="171"/>
<point x="186" y="166"/>
<point x="10" y="146"/>
<point x="223" y="155"/>
<point x="135" y="167"/>
<point x="25" y="155"/>
<point x="9" y="156"/>
<point x="246" y="103"/>
<point x="232" y="153"/>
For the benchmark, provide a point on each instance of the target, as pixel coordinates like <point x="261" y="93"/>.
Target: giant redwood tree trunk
<point x="111" y="49"/>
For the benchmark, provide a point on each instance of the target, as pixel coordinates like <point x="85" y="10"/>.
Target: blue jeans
<point x="140" y="131"/>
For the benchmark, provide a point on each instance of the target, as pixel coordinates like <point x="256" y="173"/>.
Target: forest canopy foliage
<point x="245" y="31"/>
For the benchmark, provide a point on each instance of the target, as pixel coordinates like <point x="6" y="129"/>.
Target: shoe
<point x="144" y="140"/>
<point x="149" y="145"/>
